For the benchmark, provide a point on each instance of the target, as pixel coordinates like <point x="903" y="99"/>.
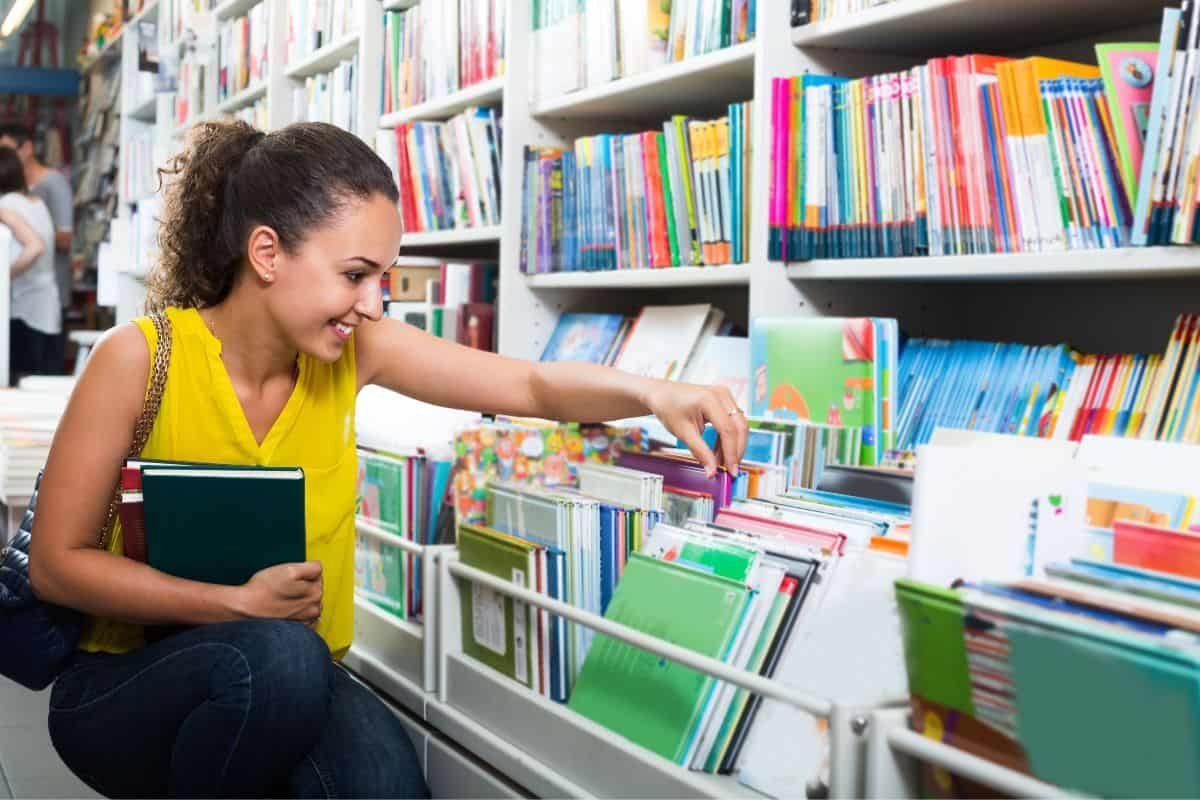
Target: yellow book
<point x="1125" y="371"/>
<point x="720" y="133"/>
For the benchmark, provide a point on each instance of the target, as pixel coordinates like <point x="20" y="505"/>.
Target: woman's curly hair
<point x="231" y="178"/>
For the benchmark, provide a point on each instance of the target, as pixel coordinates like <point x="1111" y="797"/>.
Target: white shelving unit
<point x="1120" y="300"/>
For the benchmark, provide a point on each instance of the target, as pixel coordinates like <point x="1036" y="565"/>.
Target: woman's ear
<point x="262" y="249"/>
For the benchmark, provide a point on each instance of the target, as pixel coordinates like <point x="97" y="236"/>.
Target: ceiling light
<point x="16" y="15"/>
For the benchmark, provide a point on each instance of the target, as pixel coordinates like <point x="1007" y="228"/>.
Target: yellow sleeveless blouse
<point x="202" y="420"/>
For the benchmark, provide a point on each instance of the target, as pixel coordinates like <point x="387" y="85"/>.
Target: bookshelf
<point x="1099" y="300"/>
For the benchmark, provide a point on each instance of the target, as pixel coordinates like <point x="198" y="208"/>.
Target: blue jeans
<point x="238" y="709"/>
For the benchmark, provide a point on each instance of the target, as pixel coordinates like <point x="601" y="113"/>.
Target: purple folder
<point x="682" y="474"/>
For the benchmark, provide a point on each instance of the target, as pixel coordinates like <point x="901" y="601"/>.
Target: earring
<point x="266" y="276"/>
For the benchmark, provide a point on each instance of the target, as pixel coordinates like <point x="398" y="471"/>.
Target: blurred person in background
<point x="53" y="188"/>
<point x="35" y="316"/>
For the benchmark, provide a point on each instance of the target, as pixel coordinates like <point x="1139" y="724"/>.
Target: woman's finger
<point x="695" y="442"/>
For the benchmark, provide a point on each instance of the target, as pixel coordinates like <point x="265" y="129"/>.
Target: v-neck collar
<point x="223" y="385"/>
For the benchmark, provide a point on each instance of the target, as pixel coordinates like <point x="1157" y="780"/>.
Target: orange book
<point x="656" y="218"/>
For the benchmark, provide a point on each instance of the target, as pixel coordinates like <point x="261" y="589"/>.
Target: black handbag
<point x="39" y="638"/>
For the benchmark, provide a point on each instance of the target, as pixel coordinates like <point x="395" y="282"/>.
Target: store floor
<point x="29" y="767"/>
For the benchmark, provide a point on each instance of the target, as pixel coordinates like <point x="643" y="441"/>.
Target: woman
<point x="34" y="317"/>
<point x="272" y="252"/>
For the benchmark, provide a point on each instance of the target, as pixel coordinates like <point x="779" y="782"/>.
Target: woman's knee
<point x="279" y="662"/>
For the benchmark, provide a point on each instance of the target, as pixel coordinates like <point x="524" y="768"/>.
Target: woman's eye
<point x="354" y="277"/>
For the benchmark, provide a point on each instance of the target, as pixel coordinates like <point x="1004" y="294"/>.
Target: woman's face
<point x="332" y="284"/>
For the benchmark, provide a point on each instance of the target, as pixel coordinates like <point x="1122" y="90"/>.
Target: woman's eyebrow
<point x="370" y="263"/>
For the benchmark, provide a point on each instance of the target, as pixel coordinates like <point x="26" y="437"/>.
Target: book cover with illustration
<point x="582" y="337"/>
<point x="1129" y="86"/>
<point x="819" y="370"/>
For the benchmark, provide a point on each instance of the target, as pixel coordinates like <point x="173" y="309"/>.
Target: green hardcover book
<point x="498" y="630"/>
<point x="668" y="198"/>
<point x="934" y="651"/>
<point x="222" y="525"/>
<point x="649" y="700"/>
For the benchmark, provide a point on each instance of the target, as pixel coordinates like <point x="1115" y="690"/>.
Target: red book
<point x="476" y="323"/>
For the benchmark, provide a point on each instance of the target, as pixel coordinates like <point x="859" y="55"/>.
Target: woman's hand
<point x="684" y="408"/>
<point x="284" y="591"/>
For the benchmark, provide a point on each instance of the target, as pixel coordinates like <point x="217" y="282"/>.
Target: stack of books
<point x="673" y="197"/>
<point x="1047" y="631"/>
<point x="29" y="416"/>
<point x="452" y="300"/>
<point x="329" y="97"/>
<point x="435" y="49"/>
<point x="242" y="52"/>
<point x="762" y="589"/>
<point x="577" y="46"/>
<point x="448" y="172"/>
<point x="670" y="342"/>
<point x="313" y="25"/>
<point x="402" y="494"/>
<point x="214" y="523"/>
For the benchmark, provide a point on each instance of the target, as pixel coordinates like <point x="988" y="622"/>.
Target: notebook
<point x="223" y="524"/>
<point x="652" y="701"/>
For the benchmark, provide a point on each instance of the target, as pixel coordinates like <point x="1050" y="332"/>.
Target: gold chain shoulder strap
<point x="145" y="423"/>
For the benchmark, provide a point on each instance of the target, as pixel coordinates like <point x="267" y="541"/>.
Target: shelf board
<point x="488" y="93"/>
<point x="1125" y="263"/>
<point x="146" y="110"/>
<point x="399" y="5"/>
<point x="243" y="98"/>
<point x="325" y="59"/>
<point x="730" y="275"/>
<point x="151" y="9"/>
<point x="699" y="82"/>
<point x="231" y="9"/>
<point x="412" y="241"/>
<point x="111" y="48"/>
<point x="923" y="27"/>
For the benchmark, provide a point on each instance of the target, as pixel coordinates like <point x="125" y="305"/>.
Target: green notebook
<point x="649" y="700"/>
<point x="223" y="524"/>
<point x="1102" y="710"/>
<point x="934" y="651"/>
<point x="488" y="630"/>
